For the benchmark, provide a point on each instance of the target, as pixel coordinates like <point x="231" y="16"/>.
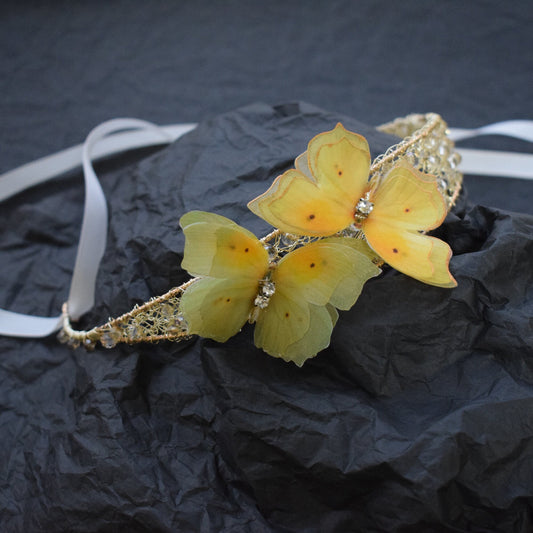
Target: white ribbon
<point x="109" y="138"/>
<point x="55" y="165"/>
<point x="491" y="163"/>
<point x="102" y="141"/>
<point x="519" y="129"/>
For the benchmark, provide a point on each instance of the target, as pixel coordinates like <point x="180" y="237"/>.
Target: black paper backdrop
<point x="418" y="416"/>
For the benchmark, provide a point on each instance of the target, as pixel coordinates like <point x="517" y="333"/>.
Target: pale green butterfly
<point x="310" y="282"/>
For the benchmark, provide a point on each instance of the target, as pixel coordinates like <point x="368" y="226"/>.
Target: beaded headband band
<point x="337" y="218"/>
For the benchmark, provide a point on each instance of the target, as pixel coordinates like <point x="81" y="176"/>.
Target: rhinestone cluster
<point x="266" y="291"/>
<point x="363" y="208"/>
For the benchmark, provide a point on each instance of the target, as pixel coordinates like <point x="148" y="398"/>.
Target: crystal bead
<point x="73" y="343"/>
<point x="442" y="184"/>
<point x="268" y="289"/>
<point x="261" y="301"/>
<point x="433" y="163"/>
<point x="364" y="207"/>
<point x="271" y="250"/>
<point x="423" y="155"/>
<point x="454" y="160"/>
<point x="410" y="157"/>
<point x="351" y="231"/>
<point x="443" y="150"/>
<point x="132" y="331"/>
<point x="63" y="337"/>
<point x="431" y="143"/>
<point x="110" y="338"/>
<point x="181" y="322"/>
<point x="415" y="160"/>
<point x="178" y="325"/>
<point x="288" y="239"/>
<point x="166" y="311"/>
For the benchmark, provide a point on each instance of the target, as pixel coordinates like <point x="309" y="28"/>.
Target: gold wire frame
<point x="424" y="145"/>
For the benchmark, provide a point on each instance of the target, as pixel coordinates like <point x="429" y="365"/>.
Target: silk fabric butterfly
<point x="329" y="190"/>
<point x="293" y="301"/>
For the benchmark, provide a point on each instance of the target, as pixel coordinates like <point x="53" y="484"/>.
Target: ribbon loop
<point x="102" y="140"/>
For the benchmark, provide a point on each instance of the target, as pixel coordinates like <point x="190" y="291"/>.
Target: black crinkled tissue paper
<point x="417" y="418"/>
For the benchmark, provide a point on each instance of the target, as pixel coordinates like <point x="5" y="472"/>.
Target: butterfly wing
<point x="318" y="197"/>
<point x="295" y="204"/>
<point x="322" y="320"/>
<point x="340" y="160"/>
<point x="217" y="308"/>
<point x="215" y="246"/>
<point x="404" y="205"/>
<point x="294" y="331"/>
<point x="309" y="281"/>
<point x="281" y="324"/>
<point x="331" y="270"/>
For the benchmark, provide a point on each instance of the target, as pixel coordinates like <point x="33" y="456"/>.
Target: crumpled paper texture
<point x="418" y="417"/>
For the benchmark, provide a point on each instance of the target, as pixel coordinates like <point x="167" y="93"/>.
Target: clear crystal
<point x="423" y="154"/>
<point x="287" y="239"/>
<point x="410" y="157"/>
<point x="272" y="251"/>
<point x="166" y="311"/>
<point x="454" y="160"/>
<point x="178" y="325"/>
<point x="261" y="301"/>
<point x="351" y="231"/>
<point x="181" y="322"/>
<point x="110" y="338"/>
<point x="433" y="160"/>
<point x="132" y="331"/>
<point x="415" y="160"/>
<point x="443" y="150"/>
<point x="63" y="337"/>
<point x="431" y="143"/>
<point x="268" y="289"/>
<point x="364" y="207"/>
<point x="442" y="184"/>
<point x="433" y="163"/>
<point x="73" y="343"/>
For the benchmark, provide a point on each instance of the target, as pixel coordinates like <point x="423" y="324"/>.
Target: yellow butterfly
<point x="292" y="302"/>
<point x="329" y="190"/>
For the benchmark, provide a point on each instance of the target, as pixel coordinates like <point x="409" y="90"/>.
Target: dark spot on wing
<point x="395" y="250"/>
<point x="287" y="314"/>
<point x="407" y="210"/>
<point x="311" y="216"/>
<point x="246" y="250"/>
<point x="339" y="172"/>
<point x="312" y="265"/>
